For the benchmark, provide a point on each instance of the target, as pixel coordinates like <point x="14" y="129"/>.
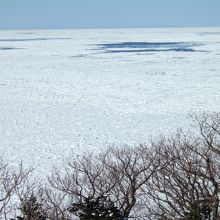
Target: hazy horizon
<point x="100" y="28"/>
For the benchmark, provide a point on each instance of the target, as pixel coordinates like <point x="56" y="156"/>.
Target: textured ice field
<point x="86" y="89"/>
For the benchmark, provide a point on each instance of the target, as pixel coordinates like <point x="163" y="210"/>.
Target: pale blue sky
<point x="31" y="14"/>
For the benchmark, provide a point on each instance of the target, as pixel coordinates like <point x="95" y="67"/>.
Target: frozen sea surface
<point x="86" y="89"/>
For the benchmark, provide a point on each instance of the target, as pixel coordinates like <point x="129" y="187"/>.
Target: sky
<point x="43" y="14"/>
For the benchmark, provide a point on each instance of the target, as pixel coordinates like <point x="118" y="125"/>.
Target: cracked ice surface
<point x="86" y="89"/>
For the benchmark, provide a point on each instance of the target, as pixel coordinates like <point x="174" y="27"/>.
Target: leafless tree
<point x="57" y="204"/>
<point x="12" y="179"/>
<point x="188" y="186"/>
<point x="208" y="126"/>
<point x="82" y="177"/>
<point x="131" y="168"/>
<point x="117" y="173"/>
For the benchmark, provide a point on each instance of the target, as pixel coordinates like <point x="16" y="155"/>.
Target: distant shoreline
<point x="108" y="28"/>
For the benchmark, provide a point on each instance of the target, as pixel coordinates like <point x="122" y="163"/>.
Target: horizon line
<point x="113" y="27"/>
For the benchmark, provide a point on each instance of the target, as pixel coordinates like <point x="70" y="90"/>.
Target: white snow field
<point x="86" y="89"/>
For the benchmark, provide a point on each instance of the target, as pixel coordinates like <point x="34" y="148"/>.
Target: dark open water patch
<point x="26" y="33"/>
<point x="150" y="50"/>
<point x="10" y="48"/>
<point x="136" y="47"/>
<point x="32" y="39"/>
